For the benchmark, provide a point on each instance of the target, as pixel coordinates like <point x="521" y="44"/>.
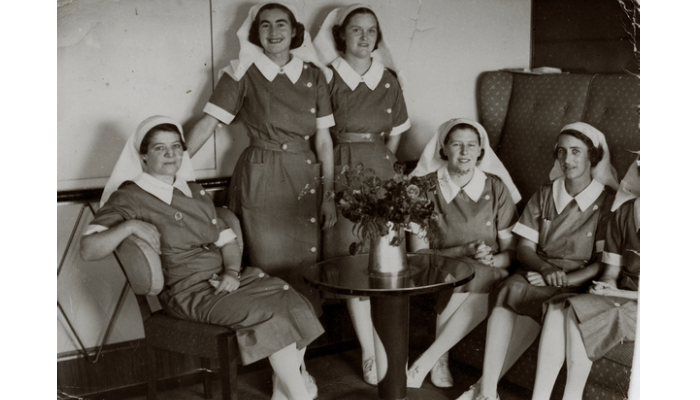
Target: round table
<point x="389" y="297"/>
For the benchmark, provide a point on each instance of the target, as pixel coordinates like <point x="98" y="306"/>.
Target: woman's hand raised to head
<point x="145" y="231"/>
<point x="328" y="215"/>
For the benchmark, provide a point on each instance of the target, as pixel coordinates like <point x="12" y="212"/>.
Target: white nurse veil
<point x="325" y="44"/>
<point x="250" y="52"/>
<point x="431" y="161"/>
<point x="129" y="164"/>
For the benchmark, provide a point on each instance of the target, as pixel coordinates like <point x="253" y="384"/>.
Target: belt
<point x="351" y="137"/>
<point x="289" y="147"/>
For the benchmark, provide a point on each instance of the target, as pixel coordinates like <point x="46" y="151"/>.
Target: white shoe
<point x="310" y="384"/>
<point x="471" y="393"/>
<point x="440" y="375"/>
<point x="411" y="380"/>
<point x="369" y="371"/>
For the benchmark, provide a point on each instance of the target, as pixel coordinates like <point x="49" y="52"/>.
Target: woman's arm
<point x="99" y="245"/>
<point x="419" y="244"/>
<point x="585" y="274"/>
<point x="324" y="150"/>
<point x="200" y="133"/>
<point x="505" y="257"/>
<point x="526" y="253"/>
<point x="392" y="143"/>
<point x="231" y="253"/>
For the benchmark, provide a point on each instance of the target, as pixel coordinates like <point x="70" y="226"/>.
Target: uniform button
<point x="617" y="304"/>
<point x="308" y="84"/>
<point x="313" y="249"/>
<point x="213" y="221"/>
<point x="308" y="162"/>
<point x="387" y="157"/>
<point x="306" y="66"/>
<point x="284" y="147"/>
<point x="381" y="134"/>
<point x="306" y="137"/>
<point x="368" y="136"/>
<point x="313" y="220"/>
<point x="595" y="207"/>
<point x="202" y="192"/>
<point x="388" y="85"/>
<point x="488" y="223"/>
<point x="589" y="234"/>
<point x="282" y="70"/>
<point x="312" y="191"/>
<point x="262" y="275"/>
<point x="388" y="110"/>
<point x="285" y="287"/>
<point x="313" y="110"/>
<point x="487" y="197"/>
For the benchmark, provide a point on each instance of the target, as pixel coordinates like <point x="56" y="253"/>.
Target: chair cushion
<point x="141" y="266"/>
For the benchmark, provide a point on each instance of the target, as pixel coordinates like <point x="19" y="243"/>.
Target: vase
<point x="385" y="259"/>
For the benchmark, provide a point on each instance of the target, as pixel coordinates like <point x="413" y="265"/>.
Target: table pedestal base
<point x="411" y="394"/>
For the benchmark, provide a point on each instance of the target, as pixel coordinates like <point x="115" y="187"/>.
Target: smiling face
<point x="572" y="155"/>
<point x="360" y="35"/>
<point x="275" y="31"/>
<point x="164" y="156"/>
<point x="462" y="150"/>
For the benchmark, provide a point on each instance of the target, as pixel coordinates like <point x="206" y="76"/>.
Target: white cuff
<point x="325" y="122"/>
<point x="397" y="130"/>
<point x="612" y="259"/>
<point x="219" y="113"/>
<point x="225" y="237"/>
<point x="94" y="229"/>
<point x="526" y="232"/>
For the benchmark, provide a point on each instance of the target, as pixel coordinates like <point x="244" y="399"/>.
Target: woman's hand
<point x="603" y="288"/>
<point x="478" y="250"/>
<point x="147" y="232"/>
<point x="535" y="278"/>
<point x="228" y="283"/>
<point x="555" y="277"/>
<point x="328" y="214"/>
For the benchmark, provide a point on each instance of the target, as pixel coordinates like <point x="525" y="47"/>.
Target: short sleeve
<point x="227" y="99"/>
<point x="324" y="111"/>
<point x="528" y="226"/>
<point x="604" y="220"/>
<point x="400" y="123"/>
<point x="119" y="207"/>
<point x="507" y="213"/>
<point x="614" y="240"/>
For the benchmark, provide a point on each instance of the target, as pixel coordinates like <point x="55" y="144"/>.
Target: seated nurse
<point x="476" y="204"/>
<point x="148" y="195"/>
<point x="562" y="232"/>
<point x="583" y="328"/>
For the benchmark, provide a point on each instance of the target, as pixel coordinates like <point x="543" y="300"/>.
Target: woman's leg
<point x="463" y="313"/>
<point x="285" y="364"/>
<point x="361" y="317"/>
<point x="551" y="353"/>
<point x="578" y="365"/>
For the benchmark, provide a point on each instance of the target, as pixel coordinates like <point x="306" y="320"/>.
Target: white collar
<point x="160" y="189"/>
<point x="371" y="78"/>
<point x="450" y="190"/>
<point x="583" y="199"/>
<point x="270" y="70"/>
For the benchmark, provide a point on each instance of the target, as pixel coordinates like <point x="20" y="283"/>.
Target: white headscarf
<point x="325" y="44"/>
<point x="431" y="161"/>
<point x="250" y="52"/>
<point x="604" y="172"/>
<point x="629" y="187"/>
<point x="129" y="164"/>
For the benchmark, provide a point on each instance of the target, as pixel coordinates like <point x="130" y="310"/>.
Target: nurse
<point x="562" y="232"/>
<point x="281" y="189"/>
<point x="370" y="116"/>
<point x="475" y="202"/>
<point x="584" y="328"/>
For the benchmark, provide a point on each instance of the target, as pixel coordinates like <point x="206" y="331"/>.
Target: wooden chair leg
<point x="152" y="373"/>
<point x="228" y="371"/>
<point x="206" y="378"/>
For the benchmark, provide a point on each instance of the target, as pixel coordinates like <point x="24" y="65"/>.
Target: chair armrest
<point x="141" y="265"/>
<point x="232" y="222"/>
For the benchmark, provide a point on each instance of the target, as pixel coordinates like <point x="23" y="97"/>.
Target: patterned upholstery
<point x="497" y="87"/>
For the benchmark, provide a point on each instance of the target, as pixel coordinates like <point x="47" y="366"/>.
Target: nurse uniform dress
<point x="265" y="312"/>
<point x="482" y="210"/>
<point x="568" y="232"/>
<point x="276" y="186"/>
<point x="607" y="321"/>
<point x="367" y="109"/>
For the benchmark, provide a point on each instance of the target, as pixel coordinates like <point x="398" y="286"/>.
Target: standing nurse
<point x="370" y="115"/>
<point x="280" y="189"/>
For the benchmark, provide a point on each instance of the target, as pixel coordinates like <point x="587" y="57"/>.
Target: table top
<point x="426" y="273"/>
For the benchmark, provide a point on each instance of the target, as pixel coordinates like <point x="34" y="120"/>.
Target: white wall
<point x="122" y="61"/>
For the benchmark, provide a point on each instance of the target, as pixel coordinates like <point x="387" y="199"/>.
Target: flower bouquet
<point x="378" y="207"/>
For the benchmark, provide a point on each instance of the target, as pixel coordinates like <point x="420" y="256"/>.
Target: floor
<point x="335" y="375"/>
